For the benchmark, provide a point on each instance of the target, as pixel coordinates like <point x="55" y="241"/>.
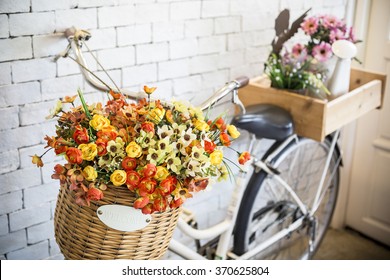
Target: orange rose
<point x="132" y="179"/>
<point x="147" y="186"/>
<point x="160" y="204"/>
<point x="141" y="202"/>
<point x="224" y="139"/>
<point x="101" y="147"/>
<point x="209" y="146"/>
<point x="80" y="135"/>
<point x="149" y="170"/>
<point x="74" y="155"/>
<point x="168" y="185"/>
<point x="148" y="127"/>
<point x="94" y="194"/>
<point x="129" y="163"/>
<point x="107" y="135"/>
<point x="244" y="157"/>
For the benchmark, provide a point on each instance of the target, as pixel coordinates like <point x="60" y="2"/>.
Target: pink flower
<point x="299" y="51"/>
<point x="331" y="22"/>
<point x="335" y="35"/>
<point x="351" y="35"/>
<point x="310" y="25"/>
<point x="322" y="52"/>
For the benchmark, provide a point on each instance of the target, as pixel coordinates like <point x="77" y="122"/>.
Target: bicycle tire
<point x="277" y="211"/>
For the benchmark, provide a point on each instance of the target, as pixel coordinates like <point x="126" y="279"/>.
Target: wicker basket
<point x="81" y="235"/>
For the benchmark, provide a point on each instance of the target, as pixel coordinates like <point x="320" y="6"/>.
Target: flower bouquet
<point x="306" y="68"/>
<point x="148" y="155"/>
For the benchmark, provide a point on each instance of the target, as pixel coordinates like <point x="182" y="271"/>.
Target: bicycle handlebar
<point x="77" y="36"/>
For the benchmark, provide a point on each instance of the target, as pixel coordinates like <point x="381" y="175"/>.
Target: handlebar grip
<point x="242" y="81"/>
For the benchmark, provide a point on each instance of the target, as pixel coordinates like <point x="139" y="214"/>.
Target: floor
<point x="350" y="245"/>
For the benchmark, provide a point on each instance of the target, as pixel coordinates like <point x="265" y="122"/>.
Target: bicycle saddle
<point x="266" y="121"/>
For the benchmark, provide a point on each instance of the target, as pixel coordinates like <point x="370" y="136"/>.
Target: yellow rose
<point x="201" y="125"/>
<point x="156" y="115"/>
<point x="133" y="150"/>
<point x="161" y="174"/>
<point x="118" y="177"/>
<point x="233" y="132"/>
<point x="89" y="151"/>
<point x="99" y="122"/>
<point x="90" y="174"/>
<point x="216" y="157"/>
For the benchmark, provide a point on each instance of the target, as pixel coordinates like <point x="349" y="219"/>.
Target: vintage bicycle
<point x="281" y="204"/>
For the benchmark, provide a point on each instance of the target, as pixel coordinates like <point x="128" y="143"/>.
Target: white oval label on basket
<point x="123" y="218"/>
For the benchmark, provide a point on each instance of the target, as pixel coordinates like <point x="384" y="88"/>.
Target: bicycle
<point x="284" y="207"/>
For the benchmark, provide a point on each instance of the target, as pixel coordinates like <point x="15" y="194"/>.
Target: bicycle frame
<point x="225" y="228"/>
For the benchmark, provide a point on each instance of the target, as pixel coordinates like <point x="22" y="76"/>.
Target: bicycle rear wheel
<point x="268" y="208"/>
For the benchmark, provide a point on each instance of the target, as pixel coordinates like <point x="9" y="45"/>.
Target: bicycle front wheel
<point x="267" y="207"/>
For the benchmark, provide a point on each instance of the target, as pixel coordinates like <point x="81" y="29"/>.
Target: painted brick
<point x="11" y="202"/>
<point x="97" y="3"/>
<point x="253" y="21"/>
<point x="151" y="53"/>
<point x="262" y="38"/>
<point x="3" y="225"/>
<point x="82" y="18"/>
<point x="28" y="217"/>
<point x="117" y="58"/>
<point x="18" y="94"/>
<point x="183" y="48"/>
<point x="11" y="6"/>
<point x="227" y="25"/>
<point x="40" y="232"/>
<point x="31" y="23"/>
<point x="139" y="74"/>
<point x="186" y="84"/>
<point x="17" y="48"/>
<point x="34" y="252"/>
<point x="33" y="69"/>
<point x="198" y="27"/>
<point x="13" y="241"/>
<point x="173" y="69"/>
<point x="46" y="45"/>
<point x="20" y="179"/>
<point x="231" y="59"/>
<point x="102" y="38"/>
<point x="214" y="44"/>
<point x="168" y="31"/>
<point x="66" y="66"/>
<point x="12" y="119"/>
<point x="26" y="153"/>
<point x="38" y="195"/>
<point x="35" y="113"/>
<point x="215" y="79"/>
<point x="257" y="54"/>
<point x="164" y="91"/>
<point x="55" y="250"/>
<point x="5" y="73"/>
<point x="152" y="12"/>
<point x="215" y="8"/>
<point x="9" y="161"/>
<point x="60" y="87"/>
<point x="204" y="63"/>
<point x="134" y="34"/>
<point x="4" y="27"/>
<point x="116" y="16"/>
<point x="185" y="10"/>
<point x="50" y="5"/>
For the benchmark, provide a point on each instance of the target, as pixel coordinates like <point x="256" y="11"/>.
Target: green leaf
<point x="85" y="107"/>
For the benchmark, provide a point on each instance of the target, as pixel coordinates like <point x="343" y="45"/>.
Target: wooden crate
<point x="316" y="118"/>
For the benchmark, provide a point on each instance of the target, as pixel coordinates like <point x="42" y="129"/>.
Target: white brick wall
<point x="185" y="48"/>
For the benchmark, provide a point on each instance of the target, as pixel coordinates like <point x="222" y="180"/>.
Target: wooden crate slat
<point x="315" y="118"/>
